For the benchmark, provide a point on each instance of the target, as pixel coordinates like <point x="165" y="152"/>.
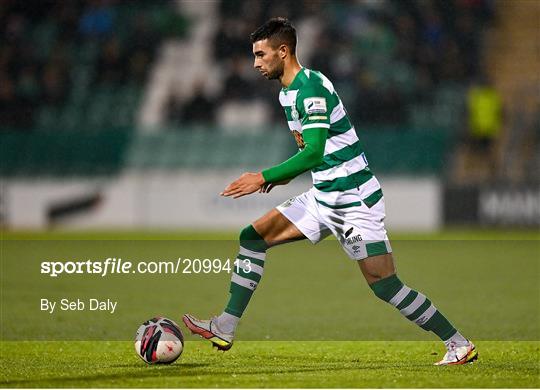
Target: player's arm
<point x="312" y="106"/>
<point x="306" y="159"/>
<point x="309" y="157"/>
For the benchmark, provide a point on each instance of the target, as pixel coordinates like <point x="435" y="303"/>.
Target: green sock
<point x="247" y="271"/>
<point x="413" y="305"/>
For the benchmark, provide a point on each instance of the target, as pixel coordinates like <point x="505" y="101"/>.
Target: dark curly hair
<point x="278" y="31"/>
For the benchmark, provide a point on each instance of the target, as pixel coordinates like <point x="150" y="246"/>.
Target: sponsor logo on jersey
<point x="315" y="105"/>
<point x="353" y="239"/>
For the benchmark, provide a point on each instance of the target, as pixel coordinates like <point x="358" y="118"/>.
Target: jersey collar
<point x="298" y="80"/>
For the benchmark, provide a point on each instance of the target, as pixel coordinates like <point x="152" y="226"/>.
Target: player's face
<point x="267" y="60"/>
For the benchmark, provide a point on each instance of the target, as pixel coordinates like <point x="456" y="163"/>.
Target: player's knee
<point x="386" y="288"/>
<point x="247" y="233"/>
<point x="250" y="239"/>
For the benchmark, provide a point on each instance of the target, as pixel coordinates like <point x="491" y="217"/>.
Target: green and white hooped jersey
<point x="344" y="178"/>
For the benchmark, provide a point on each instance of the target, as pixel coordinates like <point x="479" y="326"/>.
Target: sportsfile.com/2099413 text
<point x="117" y="266"/>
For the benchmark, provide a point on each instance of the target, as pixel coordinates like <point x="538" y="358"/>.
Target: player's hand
<point x="246" y="184"/>
<point x="267" y="187"/>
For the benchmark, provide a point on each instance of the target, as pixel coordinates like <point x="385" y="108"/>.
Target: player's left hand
<point x="246" y="184"/>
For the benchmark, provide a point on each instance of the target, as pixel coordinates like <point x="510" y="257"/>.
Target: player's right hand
<point x="246" y="184"/>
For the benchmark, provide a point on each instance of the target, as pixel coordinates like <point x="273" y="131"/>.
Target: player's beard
<point x="276" y="73"/>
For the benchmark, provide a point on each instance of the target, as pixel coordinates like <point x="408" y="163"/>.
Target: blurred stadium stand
<point x="512" y="63"/>
<point x="99" y="87"/>
<point x="79" y="65"/>
<point x="402" y="69"/>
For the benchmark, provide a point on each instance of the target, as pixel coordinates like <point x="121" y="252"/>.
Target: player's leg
<point x="380" y="273"/>
<point x="361" y="232"/>
<point x="271" y="229"/>
<point x="275" y="229"/>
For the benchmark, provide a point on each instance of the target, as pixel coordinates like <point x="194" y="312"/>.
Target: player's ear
<point x="283" y="51"/>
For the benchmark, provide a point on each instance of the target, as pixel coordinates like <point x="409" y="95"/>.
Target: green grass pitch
<point x="268" y="364"/>
<point x="313" y="322"/>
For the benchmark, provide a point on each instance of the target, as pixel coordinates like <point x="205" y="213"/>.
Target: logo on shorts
<point x="288" y="202"/>
<point x="353" y="239"/>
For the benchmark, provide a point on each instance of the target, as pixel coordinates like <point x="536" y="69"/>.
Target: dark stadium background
<point x="121" y="121"/>
<point x="92" y="92"/>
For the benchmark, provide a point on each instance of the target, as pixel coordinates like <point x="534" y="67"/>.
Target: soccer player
<point x="346" y="200"/>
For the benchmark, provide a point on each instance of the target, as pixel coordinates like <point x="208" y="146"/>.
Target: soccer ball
<point x="159" y="340"/>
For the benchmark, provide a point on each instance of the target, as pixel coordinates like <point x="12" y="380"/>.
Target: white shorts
<point x="359" y="229"/>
